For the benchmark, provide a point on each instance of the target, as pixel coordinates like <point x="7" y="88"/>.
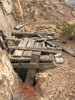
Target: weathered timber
<point x="54" y="48"/>
<point x="23" y="59"/>
<point x="51" y="57"/>
<point x="32" y="34"/>
<point x="43" y="45"/>
<point x="41" y="39"/>
<point x="19" y="59"/>
<point x="51" y="38"/>
<point x="14" y="33"/>
<point x="50" y="43"/>
<point x="46" y="58"/>
<point x="13" y="39"/>
<point x="34" y="65"/>
<point x="35" y="49"/>
<point x="47" y="42"/>
<point x="36" y="54"/>
<point x="30" y="45"/>
<point x="45" y="38"/>
<point x="22" y="43"/>
<point x="35" y="58"/>
<point x="17" y="27"/>
<point x="65" y="48"/>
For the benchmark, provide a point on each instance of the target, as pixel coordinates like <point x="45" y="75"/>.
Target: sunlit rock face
<point x="7" y="4"/>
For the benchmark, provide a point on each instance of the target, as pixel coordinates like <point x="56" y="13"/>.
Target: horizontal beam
<point x="12" y="39"/>
<point x="15" y="33"/>
<point x="23" y="34"/>
<point x="23" y="59"/>
<point x="35" y="49"/>
<point x="34" y="65"/>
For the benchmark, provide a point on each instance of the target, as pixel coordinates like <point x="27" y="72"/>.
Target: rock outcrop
<point x="9" y="80"/>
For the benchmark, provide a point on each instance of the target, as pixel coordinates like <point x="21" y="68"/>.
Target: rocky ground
<point x="23" y="11"/>
<point x="58" y="83"/>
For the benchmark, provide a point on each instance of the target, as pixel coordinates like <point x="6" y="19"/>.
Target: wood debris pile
<point x="35" y="51"/>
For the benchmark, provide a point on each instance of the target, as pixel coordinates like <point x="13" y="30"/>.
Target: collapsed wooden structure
<point x="32" y="51"/>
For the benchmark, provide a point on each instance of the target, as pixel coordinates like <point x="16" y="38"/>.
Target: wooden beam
<point x="14" y="33"/>
<point x="30" y="77"/>
<point x="65" y="48"/>
<point x="43" y="58"/>
<point x="34" y="65"/>
<point x="35" y="34"/>
<point x="51" y="38"/>
<point x="30" y="45"/>
<point x="13" y="39"/>
<point x="41" y="39"/>
<point x="19" y="59"/>
<point x="22" y="43"/>
<point x="36" y="49"/>
<point x="46" y="58"/>
<point x="50" y="43"/>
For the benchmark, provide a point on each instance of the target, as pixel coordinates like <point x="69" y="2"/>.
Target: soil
<point x="58" y="83"/>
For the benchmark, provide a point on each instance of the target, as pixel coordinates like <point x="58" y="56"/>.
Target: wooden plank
<point x="50" y="43"/>
<point x="65" y="48"/>
<point x="36" y="49"/>
<point x="14" y="33"/>
<point x="35" y="34"/>
<point x="22" y="43"/>
<point x="17" y="27"/>
<point x="51" y="37"/>
<point x="35" y="58"/>
<point x="54" y="48"/>
<point x="34" y="65"/>
<point x="41" y="39"/>
<point x="51" y="57"/>
<point x="13" y="39"/>
<point x="46" y="58"/>
<point x="43" y="45"/>
<point x="29" y="53"/>
<point x="42" y="58"/>
<point x="19" y="59"/>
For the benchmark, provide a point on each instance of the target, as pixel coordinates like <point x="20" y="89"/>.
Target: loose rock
<point x="58" y="55"/>
<point x="59" y="60"/>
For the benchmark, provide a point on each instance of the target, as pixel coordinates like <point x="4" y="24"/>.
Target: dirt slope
<point x="49" y="11"/>
<point x="43" y="13"/>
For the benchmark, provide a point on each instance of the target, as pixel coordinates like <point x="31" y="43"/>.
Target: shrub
<point x="67" y="30"/>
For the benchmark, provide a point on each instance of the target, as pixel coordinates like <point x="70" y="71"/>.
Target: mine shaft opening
<point x="22" y="74"/>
